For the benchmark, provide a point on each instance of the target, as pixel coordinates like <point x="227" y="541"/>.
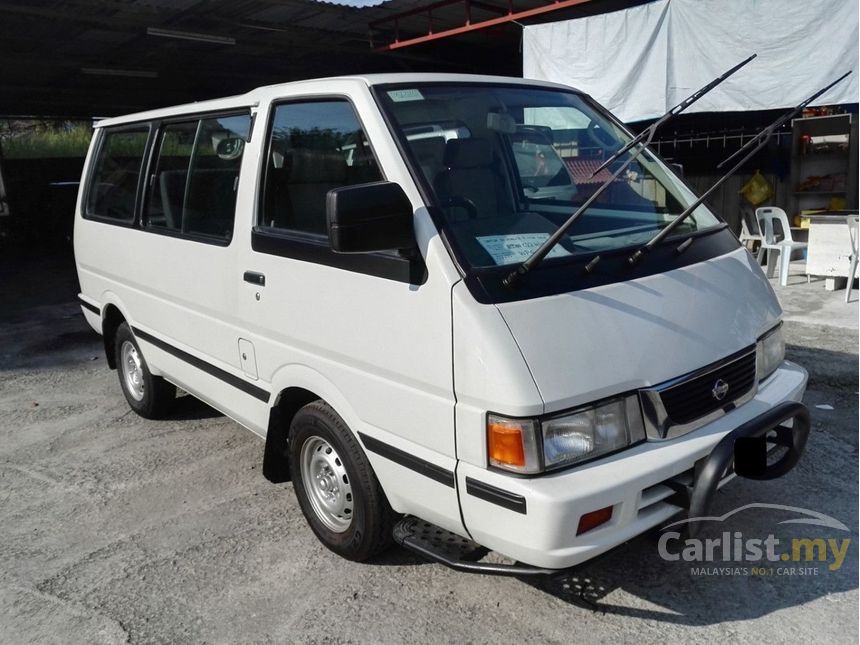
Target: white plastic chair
<point x="853" y="225"/>
<point x="776" y="243"/>
<point x="748" y="236"/>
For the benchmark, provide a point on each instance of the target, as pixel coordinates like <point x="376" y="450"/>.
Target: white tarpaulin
<point x="640" y="62"/>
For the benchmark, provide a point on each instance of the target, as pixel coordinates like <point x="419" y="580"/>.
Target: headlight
<point x="534" y="445"/>
<point x="769" y="352"/>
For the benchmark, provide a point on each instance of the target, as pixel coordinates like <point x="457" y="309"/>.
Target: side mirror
<point x="369" y="217"/>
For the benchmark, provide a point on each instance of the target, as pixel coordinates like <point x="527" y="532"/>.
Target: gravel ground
<point x="116" y="529"/>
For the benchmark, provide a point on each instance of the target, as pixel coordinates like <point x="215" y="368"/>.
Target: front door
<point x="369" y="333"/>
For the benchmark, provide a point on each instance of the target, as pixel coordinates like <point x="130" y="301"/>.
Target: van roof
<point x="314" y="86"/>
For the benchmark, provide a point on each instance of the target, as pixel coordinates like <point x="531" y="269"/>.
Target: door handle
<point x="255" y="278"/>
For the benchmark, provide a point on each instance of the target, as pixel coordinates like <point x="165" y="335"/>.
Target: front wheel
<point x="337" y="491"/>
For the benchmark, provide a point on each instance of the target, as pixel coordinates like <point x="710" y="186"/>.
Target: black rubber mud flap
<point x="276" y="463"/>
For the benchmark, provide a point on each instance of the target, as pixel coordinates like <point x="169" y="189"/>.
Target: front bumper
<point x="640" y="484"/>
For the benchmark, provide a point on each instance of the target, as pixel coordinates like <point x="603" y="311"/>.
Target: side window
<point x="113" y="185"/>
<point x="196" y="174"/>
<point x="210" y="204"/>
<point x="167" y="183"/>
<point x="315" y="146"/>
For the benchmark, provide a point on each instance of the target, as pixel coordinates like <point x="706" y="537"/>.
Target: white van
<point x="324" y="261"/>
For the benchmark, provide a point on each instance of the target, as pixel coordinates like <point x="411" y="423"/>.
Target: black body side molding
<point x="231" y="379"/>
<point x="497" y="496"/>
<point x="89" y="307"/>
<point x="434" y="472"/>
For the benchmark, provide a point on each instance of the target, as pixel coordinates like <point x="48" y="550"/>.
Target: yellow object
<point x="757" y="190"/>
<point x="804" y="219"/>
<point x="837" y="204"/>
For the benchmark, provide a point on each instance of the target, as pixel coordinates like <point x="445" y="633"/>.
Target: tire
<point x="336" y="487"/>
<point x="148" y="395"/>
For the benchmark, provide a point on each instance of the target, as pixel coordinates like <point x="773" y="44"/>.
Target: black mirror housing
<point x="369" y="217"/>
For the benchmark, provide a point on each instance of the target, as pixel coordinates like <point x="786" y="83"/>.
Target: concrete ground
<point x="807" y="301"/>
<point x="116" y="529"/>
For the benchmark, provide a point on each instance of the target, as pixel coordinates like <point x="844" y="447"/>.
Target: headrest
<point x="468" y="153"/>
<point x="317" y="166"/>
<point x="432" y="147"/>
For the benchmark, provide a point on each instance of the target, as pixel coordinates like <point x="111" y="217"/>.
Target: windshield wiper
<point x="753" y="145"/>
<point x="643" y="140"/>
<point x="683" y="105"/>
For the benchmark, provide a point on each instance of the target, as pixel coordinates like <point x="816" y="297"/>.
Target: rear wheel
<point x="335" y="485"/>
<point x="148" y="395"/>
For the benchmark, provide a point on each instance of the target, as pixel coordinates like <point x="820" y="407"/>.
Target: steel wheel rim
<point x="327" y="484"/>
<point x="132" y="370"/>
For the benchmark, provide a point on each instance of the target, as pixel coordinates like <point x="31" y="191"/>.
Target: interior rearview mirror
<point x="369" y="217"/>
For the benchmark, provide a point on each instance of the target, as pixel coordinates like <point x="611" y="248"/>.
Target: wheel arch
<point x="295" y="386"/>
<point x="288" y="402"/>
<point x="112" y="318"/>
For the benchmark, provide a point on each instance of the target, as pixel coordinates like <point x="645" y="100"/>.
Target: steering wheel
<point x="458" y="201"/>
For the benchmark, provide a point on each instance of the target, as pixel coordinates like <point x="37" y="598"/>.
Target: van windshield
<point x="507" y="165"/>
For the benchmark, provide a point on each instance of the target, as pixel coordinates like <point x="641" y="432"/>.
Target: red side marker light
<point x="594" y="519"/>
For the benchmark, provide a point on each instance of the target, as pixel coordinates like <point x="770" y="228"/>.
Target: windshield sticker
<point x="401" y="96"/>
<point x="517" y="247"/>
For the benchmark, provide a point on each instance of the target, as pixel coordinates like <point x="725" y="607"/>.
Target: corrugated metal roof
<point x="46" y="45"/>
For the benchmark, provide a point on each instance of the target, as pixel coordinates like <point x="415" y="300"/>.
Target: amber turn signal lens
<point x="505" y="443"/>
<point x="594" y="519"/>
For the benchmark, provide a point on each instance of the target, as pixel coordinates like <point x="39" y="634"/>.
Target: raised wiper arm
<point x="750" y="147"/>
<point x="769" y="130"/>
<point x="647" y="135"/>
<point x="683" y="105"/>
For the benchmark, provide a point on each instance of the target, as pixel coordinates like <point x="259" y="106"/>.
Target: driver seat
<point x="472" y="174"/>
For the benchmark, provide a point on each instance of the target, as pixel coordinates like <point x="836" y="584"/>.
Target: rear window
<point x="113" y="186"/>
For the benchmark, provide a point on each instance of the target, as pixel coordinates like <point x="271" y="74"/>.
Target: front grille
<point x="694" y="398"/>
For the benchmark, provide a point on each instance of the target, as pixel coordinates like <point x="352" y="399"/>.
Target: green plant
<point x="40" y="140"/>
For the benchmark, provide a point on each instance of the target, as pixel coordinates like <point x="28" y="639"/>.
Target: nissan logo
<point x="720" y="389"/>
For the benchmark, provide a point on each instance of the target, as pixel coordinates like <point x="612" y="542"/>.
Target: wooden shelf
<point x="831" y="161"/>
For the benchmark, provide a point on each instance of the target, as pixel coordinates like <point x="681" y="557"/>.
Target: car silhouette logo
<point x="720" y="389"/>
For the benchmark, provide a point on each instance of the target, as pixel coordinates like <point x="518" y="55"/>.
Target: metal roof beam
<point x="468" y="26"/>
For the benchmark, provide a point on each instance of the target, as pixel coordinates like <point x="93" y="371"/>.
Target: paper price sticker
<point x="517" y="247"/>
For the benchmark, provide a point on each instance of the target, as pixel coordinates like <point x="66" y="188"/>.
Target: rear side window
<point x="315" y="146"/>
<point x="113" y="185"/>
<point x="167" y="185"/>
<point x="195" y="176"/>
